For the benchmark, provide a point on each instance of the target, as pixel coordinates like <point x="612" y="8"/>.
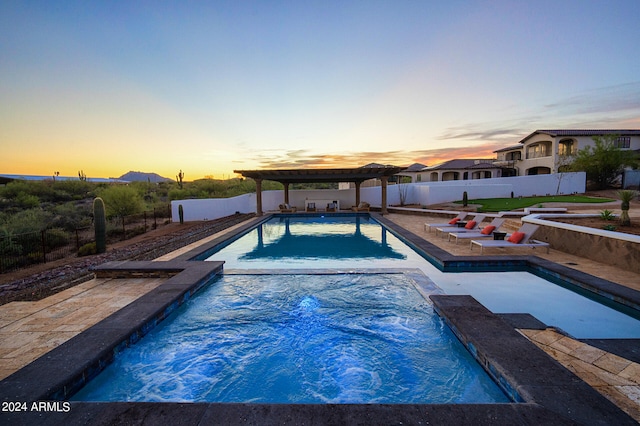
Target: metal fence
<point x="19" y="251"/>
<point x="130" y="226"/>
<point x="22" y="250"/>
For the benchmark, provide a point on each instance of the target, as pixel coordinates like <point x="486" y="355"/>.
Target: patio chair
<point x="429" y="226"/>
<point x="485" y="232"/>
<point x="520" y="238"/>
<point x="311" y="207"/>
<point x="331" y="207"/>
<point x="362" y="207"/>
<point x="286" y="208"/>
<point x="471" y="225"/>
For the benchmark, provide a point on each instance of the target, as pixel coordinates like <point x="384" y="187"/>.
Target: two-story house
<point x="549" y="151"/>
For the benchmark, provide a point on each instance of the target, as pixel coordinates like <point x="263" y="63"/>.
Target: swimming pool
<point x="551" y="392"/>
<point x="335" y="338"/>
<point x="351" y="242"/>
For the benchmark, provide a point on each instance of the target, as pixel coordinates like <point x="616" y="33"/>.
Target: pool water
<point x="316" y="242"/>
<point x="338" y="338"/>
<point x="521" y="292"/>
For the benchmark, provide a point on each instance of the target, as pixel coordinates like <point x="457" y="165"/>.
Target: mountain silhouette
<point x="143" y="177"/>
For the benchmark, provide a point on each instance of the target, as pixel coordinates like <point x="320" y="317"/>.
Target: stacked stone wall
<point x="611" y="251"/>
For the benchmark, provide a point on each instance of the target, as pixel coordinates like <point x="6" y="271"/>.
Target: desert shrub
<point x="26" y="221"/>
<point x="132" y="232"/>
<point x="27" y="201"/>
<point x="607" y="215"/>
<point x="9" y="247"/>
<point x="34" y="257"/>
<point x="162" y="209"/>
<point x="71" y="216"/>
<point x="121" y="201"/>
<point x="87" y="249"/>
<point x="56" y="238"/>
<point x="73" y="189"/>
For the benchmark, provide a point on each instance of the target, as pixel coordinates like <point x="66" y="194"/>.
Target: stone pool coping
<point x="550" y="393"/>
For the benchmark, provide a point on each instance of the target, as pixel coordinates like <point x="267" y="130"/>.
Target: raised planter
<point x="609" y="247"/>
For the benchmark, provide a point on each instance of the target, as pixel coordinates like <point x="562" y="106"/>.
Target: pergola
<point x="287" y="177"/>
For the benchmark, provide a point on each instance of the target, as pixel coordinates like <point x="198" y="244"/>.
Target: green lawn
<point x="505" y="204"/>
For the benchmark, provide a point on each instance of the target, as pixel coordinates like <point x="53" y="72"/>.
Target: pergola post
<point x="383" y="181"/>
<point x="358" y="183"/>
<point x="286" y="192"/>
<point x="258" y="197"/>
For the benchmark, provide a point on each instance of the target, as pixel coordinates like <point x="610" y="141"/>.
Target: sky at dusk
<point x="211" y="86"/>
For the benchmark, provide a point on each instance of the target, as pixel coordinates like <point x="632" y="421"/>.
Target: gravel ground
<point x="69" y="272"/>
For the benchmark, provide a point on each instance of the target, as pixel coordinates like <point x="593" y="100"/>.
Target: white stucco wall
<point x="631" y="178"/>
<point x="426" y="193"/>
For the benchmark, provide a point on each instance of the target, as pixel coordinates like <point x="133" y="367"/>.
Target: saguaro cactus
<point x="181" y="214"/>
<point x="465" y="199"/>
<point x="100" y="225"/>
<point x="179" y="178"/>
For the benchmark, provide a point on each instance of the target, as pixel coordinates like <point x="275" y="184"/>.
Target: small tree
<point x="121" y="201"/>
<point x="563" y="165"/>
<point x="603" y="162"/>
<point x="625" y="197"/>
<point x="403" y="191"/>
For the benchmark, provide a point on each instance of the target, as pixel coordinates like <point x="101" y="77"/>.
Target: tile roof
<point x="464" y="163"/>
<point x="509" y="148"/>
<point x="415" y="167"/>
<point x="583" y="132"/>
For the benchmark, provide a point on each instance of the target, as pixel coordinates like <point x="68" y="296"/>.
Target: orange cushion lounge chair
<point x="471" y="225"/>
<point x="430" y="226"/>
<point x="485" y="232"/>
<point x="521" y="238"/>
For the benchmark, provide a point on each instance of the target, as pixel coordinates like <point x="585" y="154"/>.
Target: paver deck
<point x="30" y="329"/>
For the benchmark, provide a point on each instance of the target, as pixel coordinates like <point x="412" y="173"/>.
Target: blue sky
<point x="209" y="87"/>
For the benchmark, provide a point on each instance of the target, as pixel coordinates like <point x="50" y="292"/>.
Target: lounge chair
<point x="520" y="238"/>
<point x="429" y="226"/>
<point x="331" y="207"/>
<point x="471" y="225"/>
<point x="362" y="207"/>
<point x="286" y="208"/>
<point x="311" y="207"/>
<point x="485" y="232"/>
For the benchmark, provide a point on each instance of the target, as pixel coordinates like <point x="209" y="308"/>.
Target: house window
<point x="418" y="177"/>
<point x="566" y="148"/>
<point x="623" y="142"/>
<point x="537" y="150"/>
<point x="513" y="156"/>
